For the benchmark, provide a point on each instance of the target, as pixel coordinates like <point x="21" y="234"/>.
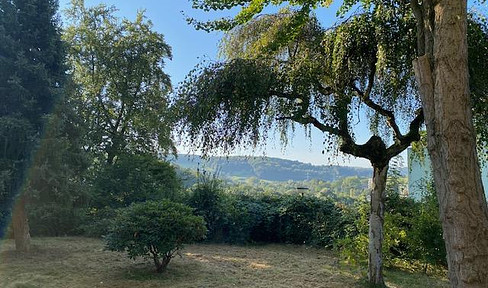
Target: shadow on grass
<point x="395" y="277"/>
<point x="36" y="253"/>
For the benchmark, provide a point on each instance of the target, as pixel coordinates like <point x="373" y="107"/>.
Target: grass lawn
<point x="81" y="262"/>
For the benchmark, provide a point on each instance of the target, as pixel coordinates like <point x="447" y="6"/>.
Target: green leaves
<point x="154" y="229"/>
<point x="478" y="78"/>
<point x="226" y="104"/>
<point x="254" y="7"/>
<point x="249" y="10"/>
<point x="134" y="178"/>
<point x="117" y="65"/>
<point x="32" y="75"/>
<point x="318" y="76"/>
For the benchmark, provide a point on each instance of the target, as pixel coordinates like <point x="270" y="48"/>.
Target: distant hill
<point x="267" y="168"/>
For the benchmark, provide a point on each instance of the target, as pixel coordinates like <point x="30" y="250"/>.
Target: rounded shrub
<point x="155" y="230"/>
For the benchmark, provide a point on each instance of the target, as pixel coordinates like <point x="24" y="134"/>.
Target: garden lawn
<point x="82" y="262"/>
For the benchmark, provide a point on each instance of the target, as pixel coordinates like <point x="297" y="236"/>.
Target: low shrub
<point x="156" y="230"/>
<point x="309" y="220"/>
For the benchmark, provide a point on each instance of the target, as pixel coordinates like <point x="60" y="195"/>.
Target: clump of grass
<point x="82" y="262"/>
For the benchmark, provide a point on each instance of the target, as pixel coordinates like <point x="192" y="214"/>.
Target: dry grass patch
<point x="82" y="262"/>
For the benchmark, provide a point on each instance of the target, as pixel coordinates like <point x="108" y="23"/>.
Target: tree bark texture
<point x="444" y="88"/>
<point x="21" y="225"/>
<point x="376" y="219"/>
<point x="161" y="264"/>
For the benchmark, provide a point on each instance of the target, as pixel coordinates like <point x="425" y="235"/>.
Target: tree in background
<point x="478" y="77"/>
<point x="122" y="89"/>
<point x="32" y="75"/>
<point x="135" y="178"/>
<point x="283" y="70"/>
<point x="58" y="178"/>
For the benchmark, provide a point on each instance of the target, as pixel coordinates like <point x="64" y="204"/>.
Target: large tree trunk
<point x="21" y="225"/>
<point x="375" y="255"/>
<point x="444" y="87"/>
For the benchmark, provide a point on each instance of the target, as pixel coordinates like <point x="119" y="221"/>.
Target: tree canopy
<point x="32" y="76"/>
<point x="284" y="69"/>
<point x="320" y="77"/>
<point x="121" y="86"/>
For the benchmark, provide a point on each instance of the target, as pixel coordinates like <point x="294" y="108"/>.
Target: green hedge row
<point x="243" y="218"/>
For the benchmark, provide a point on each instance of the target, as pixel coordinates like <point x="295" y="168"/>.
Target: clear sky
<point x="189" y="46"/>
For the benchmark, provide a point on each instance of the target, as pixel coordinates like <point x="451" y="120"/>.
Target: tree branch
<point x="323" y="90"/>
<point x="284" y="95"/>
<point x="417" y="12"/>
<point x="307" y="119"/>
<point x="105" y="111"/>
<point x="412" y="135"/>
<point x="365" y="97"/>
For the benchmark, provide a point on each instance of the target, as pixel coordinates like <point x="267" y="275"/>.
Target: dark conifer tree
<point x="32" y="75"/>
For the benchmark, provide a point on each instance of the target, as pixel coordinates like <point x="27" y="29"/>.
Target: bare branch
<point x="365" y="97"/>
<point x="412" y="135"/>
<point x="307" y="119"/>
<point x="417" y="12"/>
<point x="322" y="89"/>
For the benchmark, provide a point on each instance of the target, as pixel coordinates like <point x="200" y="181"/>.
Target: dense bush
<point x="135" y="178"/>
<point x="266" y="210"/>
<point x="412" y="231"/>
<point x="426" y="241"/>
<point x="56" y="220"/>
<point x="240" y="217"/>
<point x="227" y="218"/>
<point x="309" y="220"/>
<point x="155" y="230"/>
<point x="99" y="221"/>
<point x="354" y="246"/>
<point x="131" y="179"/>
<point x="209" y="201"/>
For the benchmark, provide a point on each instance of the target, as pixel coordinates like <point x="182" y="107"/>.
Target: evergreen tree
<point x="31" y="77"/>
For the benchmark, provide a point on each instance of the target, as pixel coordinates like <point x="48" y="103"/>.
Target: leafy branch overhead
<point x="314" y="77"/>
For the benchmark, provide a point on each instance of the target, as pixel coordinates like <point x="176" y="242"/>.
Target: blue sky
<point x="189" y="46"/>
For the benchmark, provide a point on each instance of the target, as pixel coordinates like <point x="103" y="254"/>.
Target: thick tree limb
<point x="412" y="136"/>
<point x="365" y="97"/>
<point x="417" y="12"/>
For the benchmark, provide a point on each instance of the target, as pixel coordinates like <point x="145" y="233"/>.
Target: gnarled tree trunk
<point x="442" y="74"/>
<point x="21" y="225"/>
<point x="379" y="155"/>
<point x="375" y="255"/>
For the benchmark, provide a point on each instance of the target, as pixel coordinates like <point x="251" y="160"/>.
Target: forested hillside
<point x="267" y="168"/>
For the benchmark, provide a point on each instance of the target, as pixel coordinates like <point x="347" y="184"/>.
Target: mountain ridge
<point x="268" y="168"/>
